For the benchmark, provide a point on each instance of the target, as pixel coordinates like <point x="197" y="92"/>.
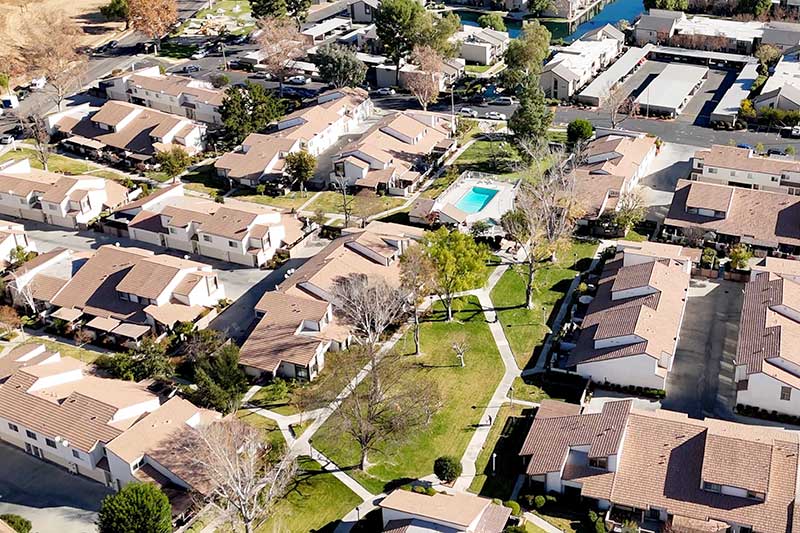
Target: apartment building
<point x="124" y="132"/>
<point x="483" y="46"/>
<point x="742" y="167"/>
<point x="403" y="510"/>
<point x="238" y="232"/>
<point x="572" y="67"/>
<point x="766" y="221"/>
<point x="13" y="237"/>
<point x="782" y="90"/>
<point x="631" y="328"/>
<point x="397" y="152"/>
<point x="296" y="323"/>
<point x="112" y="431"/>
<point x="663" y="470"/>
<point x="178" y="95"/>
<point x="337" y="112"/>
<point x="67" y="201"/>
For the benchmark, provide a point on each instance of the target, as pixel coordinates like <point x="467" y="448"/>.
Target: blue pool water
<point x="476" y="199"/>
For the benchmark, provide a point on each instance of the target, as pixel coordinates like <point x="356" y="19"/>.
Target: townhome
<point x="782" y="90"/>
<point x="403" y="510"/>
<point x="111" y="431"/>
<point x="67" y="201"/>
<point x="396" y="153"/>
<point x="631" y="328"/>
<point x="239" y="232"/>
<point x="119" y="295"/>
<point x="663" y="470"/>
<point x="768" y="222"/>
<point x="177" y="95"/>
<point x="742" y="167"/>
<point x="297" y="324"/>
<point x="574" y="66"/>
<point x="13" y="238"/>
<point x="337" y="112"/>
<point x="483" y="46"/>
<point x="124" y="132"/>
<point x="449" y="71"/>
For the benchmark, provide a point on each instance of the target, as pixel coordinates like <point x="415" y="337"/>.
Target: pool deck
<point x="502" y="202"/>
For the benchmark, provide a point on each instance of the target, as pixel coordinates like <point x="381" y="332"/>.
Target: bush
<point x="579" y="129"/>
<point x="514" y="506"/>
<point x="447" y="468"/>
<point x="17" y="523"/>
<point x="137" y="507"/>
<point x="515" y="529"/>
<point x="539" y="502"/>
<point x="220" y="80"/>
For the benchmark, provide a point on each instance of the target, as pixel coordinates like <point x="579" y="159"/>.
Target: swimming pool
<point x="476" y="199"/>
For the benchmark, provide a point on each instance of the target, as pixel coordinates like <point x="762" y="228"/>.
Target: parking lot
<point x="701" y="382"/>
<point x="54" y="500"/>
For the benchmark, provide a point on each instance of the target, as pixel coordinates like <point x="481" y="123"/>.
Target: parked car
<point x="494" y="115"/>
<point x="298" y="80"/>
<point x="200" y="54"/>
<point x="505" y="100"/>
<point x="796" y="131"/>
<point x="23" y="93"/>
<point x="776" y="151"/>
<point x="745" y="146"/>
<point x="112" y="44"/>
<point x="6" y="138"/>
<point x="385" y="91"/>
<point x="261" y="76"/>
<point x="468" y="112"/>
<point x="38" y="84"/>
<point x="191" y="68"/>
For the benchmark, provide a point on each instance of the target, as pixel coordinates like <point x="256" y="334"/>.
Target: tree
<point x="492" y="21"/>
<point x="248" y="109"/>
<point x="533" y="117"/>
<point x="300" y="167"/>
<point x="578" y="130"/>
<point x="339" y="66"/>
<point x="246" y="475"/>
<point x="392" y="401"/>
<point x="298" y="10"/>
<point x="535" y="7"/>
<point x="619" y="106"/>
<point x="136" y="508"/>
<point x="220" y="80"/>
<point x="17" y="523"/>
<point x="672" y="5"/>
<point x="739" y="255"/>
<point x="262" y="9"/>
<point x="174" y="161"/>
<point x="282" y="45"/>
<point x="437" y="32"/>
<point x="9" y="319"/>
<point x="791" y="150"/>
<point x="116" y="10"/>
<point x="630" y="209"/>
<point x="417" y="279"/>
<point x="399" y="24"/>
<point x="339" y="183"/>
<point x="459" y="263"/>
<point x="368" y="305"/>
<point x="151" y="360"/>
<point x="525" y="55"/>
<point x="767" y="54"/>
<point x="220" y="381"/>
<point x="19" y="256"/>
<point x="35" y="128"/>
<point x="747" y="110"/>
<point x="154" y="18"/>
<point x="423" y="83"/>
<point x="201" y="344"/>
<point x="447" y="468"/>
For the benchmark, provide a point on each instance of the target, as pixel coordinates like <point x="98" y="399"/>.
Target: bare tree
<point x="22" y="292"/>
<point x="369" y="305"/>
<point x="35" y="128"/>
<point x="154" y="18"/>
<point x="460" y="347"/>
<point x="391" y="401"/>
<point x="417" y="277"/>
<point x="630" y="210"/>
<point x="340" y="184"/>
<point x="242" y="471"/>
<point x="619" y="106"/>
<point x="423" y="83"/>
<point x="281" y="45"/>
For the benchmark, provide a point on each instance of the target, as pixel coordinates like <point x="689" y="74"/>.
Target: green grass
<point x="549" y="385"/>
<point x="204" y="180"/>
<point x="202" y="521"/>
<point x="505" y="439"/>
<point x="477" y="69"/>
<point x="493" y="157"/>
<point x="530" y="527"/>
<point x="269" y="428"/>
<point x="527" y="328"/>
<point x="314" y="502"/>
<point x="63" y="164"/>
<point x="276" y="399"/>
<point x="559" y="136"/>
<point x="177" y="51"/>
<point x="227" y="6"/>
<point x="158" y="176"/>
<point x="293" y="200"/>
<point x="529" y="391"/>
<point x="66" y="350"/>
<point x="464" y="394"/>
<point x="361" y="206"/>
<point x="635" y="236"/>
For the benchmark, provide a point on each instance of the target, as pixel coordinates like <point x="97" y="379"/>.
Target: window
<point x="207" y="238"/>
<point x="786" y="393"/>
<point x="50" y="442"/>
<point x="13" y="427"/>
<point x="138" y="464"/>
<point x="124" y="296"/>
<point x="172" y="230"/>
<point x="599" y="462"/>
<point x="774" y="178"/>
<point x="712" y="170"/>
<point x="30" y="434"/>
<point x="753" y="495"/>
<point x="76" y="454"/>
<point x="712" y="487"/>
<point x="232" y="244"/>
<point x="367" y="9"/>
<point x="733" y="172"/>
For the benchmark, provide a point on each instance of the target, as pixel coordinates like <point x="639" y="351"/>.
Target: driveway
<point x="698" y="110"/>
<point x="51" y="498"/>
<point x="673" y="163"/>
<point x="701" y="382"/>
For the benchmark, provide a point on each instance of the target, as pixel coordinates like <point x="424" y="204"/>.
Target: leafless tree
<point x="619" y="106"/>
<point x="340" y="184"/>
<point x="35" y="128"/>
<point x="242" y="471"/>
<point x="281" y="45"/>
<point x="369" y="305"/>
<point x="22" y="291"/>
<point x="631" y="209"/>
<point x="391" y="401"/>
<point x="460" y="347"/>
<point x="423" y="83"/>
<point x="417" y="277"/>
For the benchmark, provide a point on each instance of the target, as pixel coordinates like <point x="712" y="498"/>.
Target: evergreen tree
<point x="268" y="8"/>
<point x="399" y="24"/>
<point x="116" y="10"/>
<point x="137" y="508"/>
<point x="532" y="118"/>
<point x="220" y="381"/>
<point x="339" y="66"/>
<point x="248" y="109"/>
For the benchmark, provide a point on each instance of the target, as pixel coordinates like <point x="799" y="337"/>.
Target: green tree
<point x="248" y="109"/>
<point x="535" y="7"/>
<point x="533" y="117"/>
<point x="137" y="508"/>
<point x="447" y="468"/>
<point x="437" y="31"/>
<point x="630" y="210"/>
<point x="17" y="523"/>
<point x="20" y="255"/>
<point x="767" y="54"/>
<point x="220" y="80"/>
<point x="739" y="255"/>
<point x="151" y="360"/>
<point x="298" y="10"/>
<point x="791" y="150"/>
<point x="339" y="66"/>
<point x="300" y="167"/>
<point x="747" y="110"/>
<point x="399" y="25"/>
<point x="493" y="21"/>
<point x="5" y="82"/>
<point x="116" y="10"/>
<point x="578" y="130"/>
<point x="525" y="55"/>
<point x="674" y="5"/>
<point x="459" y="263"/>
<point x="268" y="8"/>
<point x="174" y="161"/>
<point x="220" y="380"/>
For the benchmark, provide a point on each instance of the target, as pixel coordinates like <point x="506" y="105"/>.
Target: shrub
<point x="447" y="468"/>
<point x="17" y="523"/>
<point x="579" y="129"/>
<point x="539" y="502"/>
<point x="515" y="529"/>
<point x="583" y="288"/>
<point x="137" y="507"/>
<point x="514" y="506"/>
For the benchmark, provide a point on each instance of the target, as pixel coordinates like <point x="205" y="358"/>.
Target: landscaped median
<point x="464" y="392"/>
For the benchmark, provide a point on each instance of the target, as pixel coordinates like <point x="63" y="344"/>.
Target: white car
<point x="298" y="80"/>
<point x="468" y="112"/>
<point x="200" y="54"/>
<point x="505" y="100"/>
<point x="386" y="91"/>
<point x="6" y="138"/>
<point x="494" y="115"/>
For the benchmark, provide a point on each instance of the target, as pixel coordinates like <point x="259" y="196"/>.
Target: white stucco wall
<point x="639" y="371"/>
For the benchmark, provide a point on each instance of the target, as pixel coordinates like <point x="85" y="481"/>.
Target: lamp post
<point x="494" y="457"/>
<point x="511" y="395"/>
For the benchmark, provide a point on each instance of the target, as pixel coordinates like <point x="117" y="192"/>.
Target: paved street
<point x="51" y="498"/>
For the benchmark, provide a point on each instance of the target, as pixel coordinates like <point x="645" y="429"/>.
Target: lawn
<point x="66" y="350"/>
<point x="177" y="51"/>
<point x="527" y="328"/>
<point x="63" y="164"/>
<point x="464" y="394"/>
<point x="493" y="157"/>
<point x="477" y="69"/>
<point x="361" y="206"/>
<point x="549" y="385"/>
<point x="204" y="180"/>
<point x="276" y="397"/>
<point x="505" y="440"/>
<point x="158" y="176"/>
<point x="315" y="500"/>
<point x="272" y="434"/>
<point x="530" y="527"/>
<point x="634" y="236"/>
<point x="293" y="200"/>
<point x="557" y="136"/>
